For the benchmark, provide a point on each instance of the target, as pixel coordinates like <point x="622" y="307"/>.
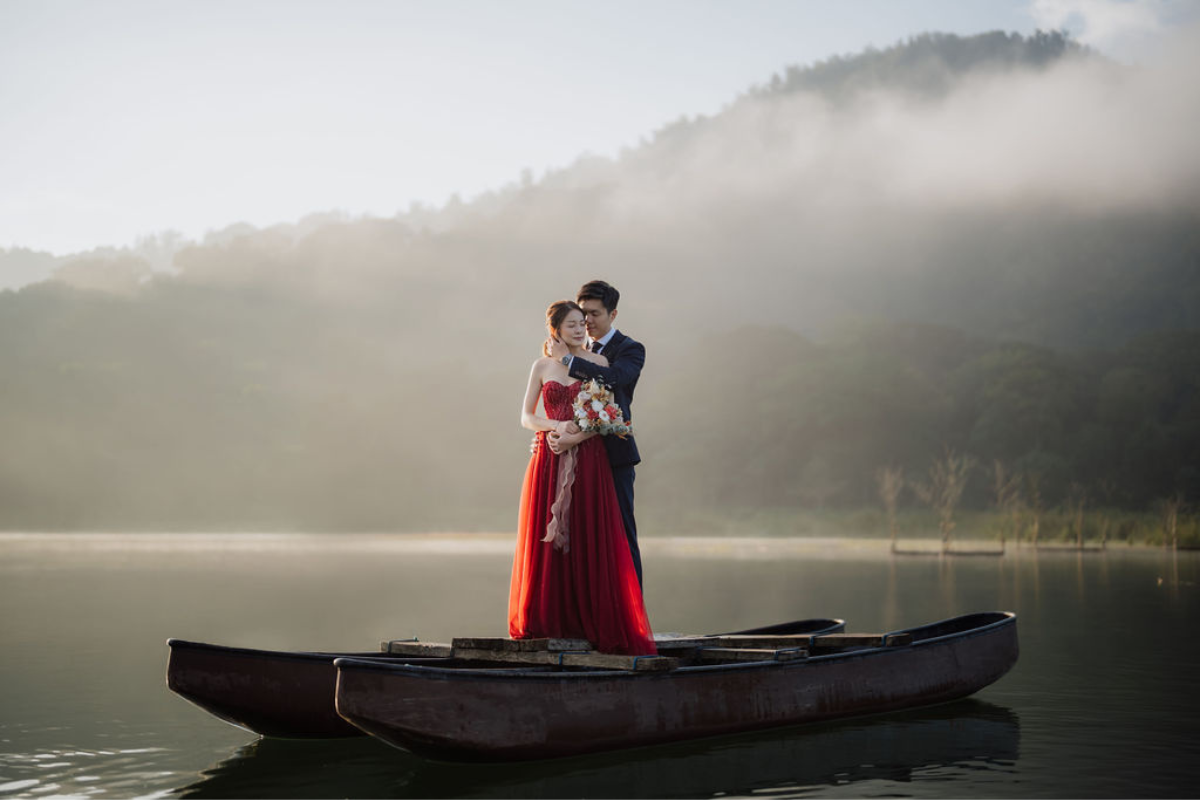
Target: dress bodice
<point x="558" y="399"/>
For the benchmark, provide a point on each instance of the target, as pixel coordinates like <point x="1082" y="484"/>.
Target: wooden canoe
<point x="517" y="714"/>
<point x="969" y="735"/>
<point x="272" y="693"/>
<point x="291" y="694"/>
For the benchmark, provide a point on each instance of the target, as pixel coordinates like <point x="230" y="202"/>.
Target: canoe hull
<point x="290" y="695"/>
<point x="279" y="694"/>
<point x="512" y="715"/>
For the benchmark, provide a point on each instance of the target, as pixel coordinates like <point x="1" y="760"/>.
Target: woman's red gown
<point x="590" y="590"/>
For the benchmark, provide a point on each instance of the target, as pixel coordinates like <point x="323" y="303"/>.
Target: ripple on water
<point x="131" y="771"/>
<point x="16" y="786"/>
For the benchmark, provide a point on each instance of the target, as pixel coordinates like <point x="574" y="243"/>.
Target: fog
<point x="960" y="195"/>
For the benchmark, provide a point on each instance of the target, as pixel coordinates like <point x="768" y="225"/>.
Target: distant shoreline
<point x="451" y="543"/>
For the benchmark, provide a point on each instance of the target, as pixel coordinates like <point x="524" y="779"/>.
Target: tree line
<point x="785" y="421"/>
<point x="804" y="327"/>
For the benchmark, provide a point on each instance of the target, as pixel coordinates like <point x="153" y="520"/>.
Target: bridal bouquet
<point x="597" y="412"/>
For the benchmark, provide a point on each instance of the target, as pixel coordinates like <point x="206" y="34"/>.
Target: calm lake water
<point x="1103" y="702"/>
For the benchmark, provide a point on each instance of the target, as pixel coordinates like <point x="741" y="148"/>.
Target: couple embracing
<point x="577" y="572"/>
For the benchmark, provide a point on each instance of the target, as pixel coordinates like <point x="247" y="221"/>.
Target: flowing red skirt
<point x="591" y="591"/>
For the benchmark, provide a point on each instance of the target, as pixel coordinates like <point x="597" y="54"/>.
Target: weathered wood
<point x="686" y="643"/>
<point x="580" y="711"/>
<point x="570" y="659"/>
<point x="509" y="656"/>
<point x="841" y="641"/>
<point x="830" y="641"/>
<point x="757" y="642"/>
<point x="243" y="685"/>
<point x="726" y="655"/>
<point x="383" y="646"/>
<point x="519" y="645"/>
<point x="406" y="647"/>
<point x="760" y="641"/>
<point x="609" y="661"/>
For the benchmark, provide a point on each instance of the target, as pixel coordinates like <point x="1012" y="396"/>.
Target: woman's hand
<point x="566" y="426"/>
<point x="561" y="443"/>
<point x="557" y="348"/>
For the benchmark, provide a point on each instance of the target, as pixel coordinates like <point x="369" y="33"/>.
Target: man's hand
<point x="558" y="348"/>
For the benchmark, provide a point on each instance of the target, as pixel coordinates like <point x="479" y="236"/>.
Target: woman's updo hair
<point x="556" y="314"/>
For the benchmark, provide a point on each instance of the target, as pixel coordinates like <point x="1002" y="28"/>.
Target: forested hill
<point x="1020" y="197"/>
<point x="929" y="64"/>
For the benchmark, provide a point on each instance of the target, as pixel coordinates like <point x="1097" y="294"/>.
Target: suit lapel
<point x="614" y="346"/>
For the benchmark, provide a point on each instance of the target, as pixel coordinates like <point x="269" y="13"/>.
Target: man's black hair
<point x="602" y="291"/>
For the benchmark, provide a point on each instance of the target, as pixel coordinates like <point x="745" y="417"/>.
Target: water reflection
<point x="1105" y="685"/>
<point x="938" y="743"/>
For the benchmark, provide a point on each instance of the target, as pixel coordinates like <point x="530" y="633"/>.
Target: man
<point x="625" y="359"/>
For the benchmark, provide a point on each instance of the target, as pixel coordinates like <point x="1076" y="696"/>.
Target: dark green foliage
<point x="896" y="393"/>
<point x="928" y="64"/>
<point x="368" y="374"/>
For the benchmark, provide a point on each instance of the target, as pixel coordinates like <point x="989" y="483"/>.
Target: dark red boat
<point x="517" y="713"/>
<point x="272" y="693"/>
<point x="291" y="694"/>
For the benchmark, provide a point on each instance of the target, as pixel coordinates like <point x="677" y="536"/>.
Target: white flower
<point x="580" y="413"/>
<point x="604" y="416"/>
<point x="597" y="405"/>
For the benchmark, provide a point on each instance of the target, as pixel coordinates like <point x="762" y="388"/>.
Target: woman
<point x="573" y="576"/>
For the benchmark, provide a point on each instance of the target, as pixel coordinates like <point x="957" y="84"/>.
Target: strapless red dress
<point x="589" y="589"/>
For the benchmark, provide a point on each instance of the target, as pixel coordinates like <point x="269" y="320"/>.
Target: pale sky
<point x="125" y="118"/>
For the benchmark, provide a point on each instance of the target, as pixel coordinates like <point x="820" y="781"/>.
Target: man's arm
<point x="623" y="373"/>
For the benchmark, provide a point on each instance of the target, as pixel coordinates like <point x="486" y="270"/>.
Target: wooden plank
<point x="683" y="643"/>
<point x="520" y="645"/>
<point x="726" y="655"/>
<point x="407" y="647"/>
<point x="569" y="659"/>
<point x="840" y="641"/>
<point x="609" y="661"/>
<point x="386" y="643"/>
<point x="764" y="641"/>
<point x="508" y="656"/>
<point x="826" y="641"/>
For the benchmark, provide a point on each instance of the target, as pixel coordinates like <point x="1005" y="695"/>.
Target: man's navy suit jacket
<point x="625" y="359"/>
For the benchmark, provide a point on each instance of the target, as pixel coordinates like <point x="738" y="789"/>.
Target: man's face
<point x="599" y="321"/>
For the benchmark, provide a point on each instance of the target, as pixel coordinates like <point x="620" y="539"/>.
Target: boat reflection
<point x="969" y="733"/>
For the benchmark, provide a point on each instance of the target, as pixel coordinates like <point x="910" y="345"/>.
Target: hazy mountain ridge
<point x="927" y="64"/>
<point x="366" y="373"/>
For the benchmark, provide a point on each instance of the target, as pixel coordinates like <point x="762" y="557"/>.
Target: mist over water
<point x="365" y="374"/>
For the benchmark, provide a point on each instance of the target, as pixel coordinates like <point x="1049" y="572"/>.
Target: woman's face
<point x="573" y="330"/>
